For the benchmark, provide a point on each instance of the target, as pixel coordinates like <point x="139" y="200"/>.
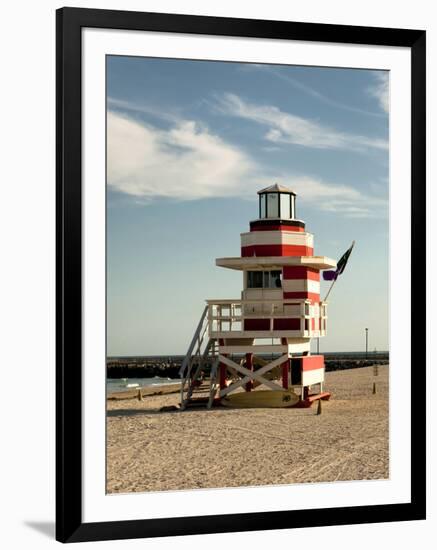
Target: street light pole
<point x="367" y="342"/>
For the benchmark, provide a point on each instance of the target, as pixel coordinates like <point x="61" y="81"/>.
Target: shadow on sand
<point x="139" y="412"/>
<point x="136" y="412"/>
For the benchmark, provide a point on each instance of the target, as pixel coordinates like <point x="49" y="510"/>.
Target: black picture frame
<point x="69" y="525"/>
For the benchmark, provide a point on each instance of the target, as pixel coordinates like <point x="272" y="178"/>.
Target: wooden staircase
<point x="202" y="350"/>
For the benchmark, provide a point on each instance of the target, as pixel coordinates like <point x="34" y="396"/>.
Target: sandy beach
<point x="148" y="450"/>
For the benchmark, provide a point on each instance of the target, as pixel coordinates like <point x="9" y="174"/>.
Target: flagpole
<point x="342" y="260"/>
<point x="329" y="290"/>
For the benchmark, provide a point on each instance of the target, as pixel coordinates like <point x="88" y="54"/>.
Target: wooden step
<point x="200" y="402"/>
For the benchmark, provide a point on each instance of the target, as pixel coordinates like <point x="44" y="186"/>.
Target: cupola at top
<point x="277" y="202"/>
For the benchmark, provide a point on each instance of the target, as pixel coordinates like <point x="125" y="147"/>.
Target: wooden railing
<point x="202" y="348"/>
<point x="226" y="317"/>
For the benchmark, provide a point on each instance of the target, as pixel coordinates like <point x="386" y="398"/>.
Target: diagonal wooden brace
<point x="251" y="375"/>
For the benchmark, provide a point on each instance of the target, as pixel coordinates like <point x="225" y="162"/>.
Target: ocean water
<point x="122" y="384"/>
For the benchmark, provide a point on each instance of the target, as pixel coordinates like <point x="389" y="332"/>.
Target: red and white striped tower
<point x="280" y="308"/>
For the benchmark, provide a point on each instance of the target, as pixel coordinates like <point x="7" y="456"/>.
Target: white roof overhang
<point x="272" y="262"/>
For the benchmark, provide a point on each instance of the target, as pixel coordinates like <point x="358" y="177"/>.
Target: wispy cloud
<point x="308" y="90"/>
<point x="341" y="199"/>
<point x="283" y="127"/>
<point x="380" y="90"/>
<point x="149" y="110"/>
<point x="185" y="161"/>
<point x="188" y="162"/>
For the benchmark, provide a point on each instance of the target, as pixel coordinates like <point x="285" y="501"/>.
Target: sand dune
<point x="148" y="450"/>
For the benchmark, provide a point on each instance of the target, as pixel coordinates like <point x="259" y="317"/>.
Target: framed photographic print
<point x="240" y="274"/>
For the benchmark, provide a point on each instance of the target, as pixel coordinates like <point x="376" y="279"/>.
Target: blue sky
<point x="190" y="143"/>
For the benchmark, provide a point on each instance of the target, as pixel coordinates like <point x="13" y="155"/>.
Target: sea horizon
<point x="182" y="355"/>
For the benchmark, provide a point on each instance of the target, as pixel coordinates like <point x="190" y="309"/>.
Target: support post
<point x="222" y="368"/>
<point x="249" y="366"/>
<point x="222" y="375"/>
<point x="285" y="367"/>
<point x="285" y="371"/>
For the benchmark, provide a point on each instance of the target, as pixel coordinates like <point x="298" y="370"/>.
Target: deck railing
<point x="226" y="318"/>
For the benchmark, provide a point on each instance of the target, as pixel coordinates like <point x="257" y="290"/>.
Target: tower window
<point x="285" y="206"/>
<point x="262" y="206"/>
<point x="272" y="205"/>
<point x="264" y="279"/>
<point x="254" y="279"/>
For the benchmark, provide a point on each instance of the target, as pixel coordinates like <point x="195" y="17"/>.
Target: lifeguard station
<point x="263" y="338"/>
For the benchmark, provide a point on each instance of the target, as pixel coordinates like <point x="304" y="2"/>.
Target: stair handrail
<point x="189" y="353"/>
